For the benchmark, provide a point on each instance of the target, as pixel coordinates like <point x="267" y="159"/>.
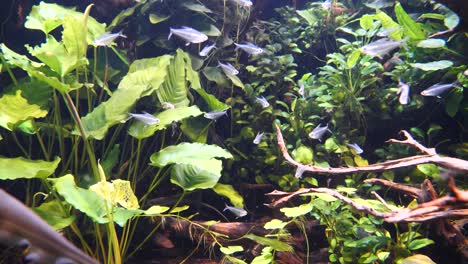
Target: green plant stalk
<point x="92" y="157"/>
<point x="18" y="143"/>
<point x="100" y="242"/>
<point x="135" y="168"/>
<point x="43" y="148"/>
<point x="58" y="124"/>
<point x="144" y="240"/>
<point x="12" y="76"/>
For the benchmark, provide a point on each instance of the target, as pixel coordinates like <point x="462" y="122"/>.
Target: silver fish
<point x="258" y="138"/>
<point x="250" y="48"/>
<point x="166" y="105"/>
<point x="356" y="148"/>
<point x="318" y="132"/>
<point x="438" y="89"/>
<point x="381" y="47"/>
<point x="228" y="69"/>
<point x="238" y="212"/>
<point x="299" y="171"/>
<point x="301" y="90"/>
<point x="263" y="101"/>
<point x="206" y="50"/>
<point x="214" y="115"/>
<point x="188" y="34"/>
<point x="146" y="118"/>
<point x="243" y="3"/>
<point x="403" y="91"/>
<point x="107" y="38"/>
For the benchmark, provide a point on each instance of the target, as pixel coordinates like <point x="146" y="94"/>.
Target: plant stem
<point x="92" y="157"/>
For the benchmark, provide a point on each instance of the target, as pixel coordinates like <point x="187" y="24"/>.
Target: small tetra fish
<point x="263" y="101"/>
<point x="318" y="132"/>
<point x="146" y="118"/>
<point x="206" y="50"/>
<point x="356" y="148"/>
<point x="107" y="38"/>
<point x="403" y="91"/>
<point x="327" y="4"/>
<point x="250" y="48"/>
<point x="438" y="89"/>
<point x="243" y="3"/>
<point x="238" y="212"/>
<point x="188" y="34"/>
<point x="258" y="138"/>
<point x="228" y="69"/>
<point x="214" y="115"/>
<point x="381" y="47"/>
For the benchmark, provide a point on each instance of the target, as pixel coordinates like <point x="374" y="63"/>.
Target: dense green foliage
<point x="65" y="116"/>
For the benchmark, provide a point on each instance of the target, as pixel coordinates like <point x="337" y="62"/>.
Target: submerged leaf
<point x="228" y="191"/>
<point x="433" y="66"/>
<point x="14" y="108"/>
<point x="18" y="168"/>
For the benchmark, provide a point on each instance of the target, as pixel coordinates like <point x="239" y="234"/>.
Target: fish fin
<point x="170" y="34"/>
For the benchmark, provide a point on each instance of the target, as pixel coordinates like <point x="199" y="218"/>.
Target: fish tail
<point x="170" y="34"/>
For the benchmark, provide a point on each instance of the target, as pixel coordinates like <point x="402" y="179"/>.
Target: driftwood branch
<point x="451" y="205"/>
<point x="430" y="156"/>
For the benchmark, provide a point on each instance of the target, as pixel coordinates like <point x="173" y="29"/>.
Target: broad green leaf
<point x="297" y="211"/>
<point x="389" y="24"/>
<point x="451" y="19"/>
<point x="74" y="38"/>
<point x="144" y="76"/>
<point x="433" y="66"/>
<point x="196" y="128"/>
<point x="417" y="259"/>
<point x="236" y="81"/>
<point x="228" y="191"/>
<point x="14" y="108"/>
<point x="420" y="243"/>
<point x="55" y="55"/>
<point x="231" y="249"/>
<point x="366" y="21"/>
<point x="197" y="7"/>
<point x="214" y="74"/>
<point x="46" y="17"/>
<point x="118" y="192"/>
<point x="155" y="18"/>
<point x="53" y="213"/>
<point x="212" y="31"/>
<point x="265" y="258"/>
<point x="411" y="28"/>
<point x="175" y="87"/>
<point x="308" y="15"/>
<point x="188" y="153"/>
<point x="353" y="58"/>
<point x="303" y="154"/>
<point x="90" y="203"/>
<point x="322" y="196"/>
<point x="213" y="103"/>
<point x="156" y="210"/>
<point x="140" y="130"/>
<point x="86" y="201"/>
<point x="331" y="145"/>
<point x="430" y="170"/>
<point x="196" y="166"/>
<point x="431" y="43"/>
<point x="179" y="209"/>
<point x="273" y="243"/>
<point x="360" y="161"/>
<point x="190" y="177"/>
<point x="18" y="168"/>
<point x="124" y="14"/>
<point x="275" y="224"/>
<point x="453" y="102"/>
<point x="233" y="260"/>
